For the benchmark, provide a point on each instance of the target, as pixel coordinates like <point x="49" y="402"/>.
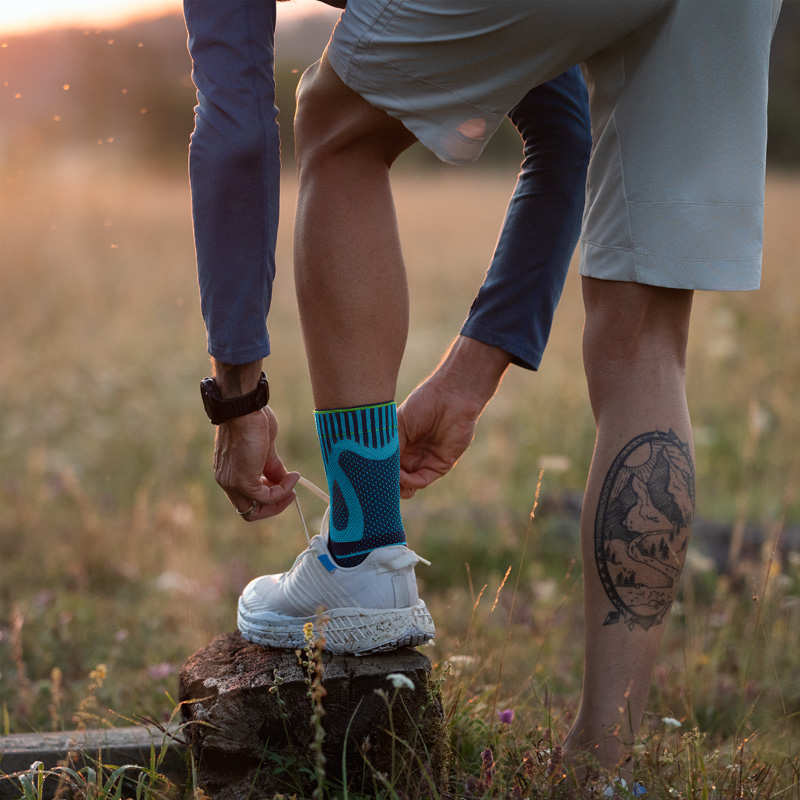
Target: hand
<point x="247" y="465"/>
<point x="436" y="423"/>
<point x="435" y="427"/>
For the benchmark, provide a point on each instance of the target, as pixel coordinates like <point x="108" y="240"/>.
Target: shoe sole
<point x="353" y="631"/>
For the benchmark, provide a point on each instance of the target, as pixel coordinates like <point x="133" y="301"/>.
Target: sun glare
<point x="21" y="17"/>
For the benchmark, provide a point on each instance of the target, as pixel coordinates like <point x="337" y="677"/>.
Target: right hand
<point x="248" y="468"/>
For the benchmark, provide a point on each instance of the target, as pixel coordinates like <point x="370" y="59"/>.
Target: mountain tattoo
<point x="642" y="527"/>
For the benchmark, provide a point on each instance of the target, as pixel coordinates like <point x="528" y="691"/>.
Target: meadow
<point x="119" y="556"/>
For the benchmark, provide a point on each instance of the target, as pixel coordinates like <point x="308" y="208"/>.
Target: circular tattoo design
<point x="642" y="527"/>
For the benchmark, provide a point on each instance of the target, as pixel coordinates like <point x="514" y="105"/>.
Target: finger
<point x="289" y="480"/>
<point x="407" y="493"/>
<point x="240" y="501"/>
<point x="271" y="499"/>
<point x="247" y="509"/>
<point x="265" y="512"/>
<point x="411" y="460"/>
<point x="274" y="469"/>
<point x="418" y="479"/>
<point x="410" y="481"/>
<point x="273" y="494"/>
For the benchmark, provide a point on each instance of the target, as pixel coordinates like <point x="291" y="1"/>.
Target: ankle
<point x="361" y="457"/>
<point x="588" y="754"/>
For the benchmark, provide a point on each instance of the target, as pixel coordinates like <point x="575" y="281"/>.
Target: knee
<point x="332" y="120"/>
<point x="630" y="324"/>
<point x="320" y="125"/>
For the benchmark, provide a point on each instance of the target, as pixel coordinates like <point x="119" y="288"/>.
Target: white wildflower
<point x="400" y="681"/>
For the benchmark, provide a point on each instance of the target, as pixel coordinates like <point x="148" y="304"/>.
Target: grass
<point x="117" y="548"/>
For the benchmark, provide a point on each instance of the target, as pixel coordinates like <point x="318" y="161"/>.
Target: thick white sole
<point x="356" y="631"/>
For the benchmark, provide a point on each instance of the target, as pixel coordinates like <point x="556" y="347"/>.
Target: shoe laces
<point x="315" y="490"/>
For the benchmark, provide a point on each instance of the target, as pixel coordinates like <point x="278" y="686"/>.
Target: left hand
<point x="436" y="422"/>
<point x="435" y="425"/>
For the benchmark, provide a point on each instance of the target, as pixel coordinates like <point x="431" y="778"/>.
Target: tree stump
<point x="251" y="722"/>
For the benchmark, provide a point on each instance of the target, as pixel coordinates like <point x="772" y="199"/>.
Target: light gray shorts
<point x="675" y="193"/>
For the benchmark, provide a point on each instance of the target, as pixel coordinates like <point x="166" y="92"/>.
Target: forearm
<point x="234" y="166"/>
<point x="471" y="372"/>
<point x="235" y="380"/>
<point x="516" y="303"/>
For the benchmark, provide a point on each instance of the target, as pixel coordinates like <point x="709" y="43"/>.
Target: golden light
<point x="22" y="17"/>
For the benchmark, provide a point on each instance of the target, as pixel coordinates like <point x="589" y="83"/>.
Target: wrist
<point x="473" y="370"/>
<point x="235" y="380"/>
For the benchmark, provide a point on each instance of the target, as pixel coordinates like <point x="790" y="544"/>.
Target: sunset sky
<point x="17" y="17"/>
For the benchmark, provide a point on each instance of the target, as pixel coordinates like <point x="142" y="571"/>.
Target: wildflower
<point x="400" y="681"/>
<point x="308" y="632"/>
<point x="637" y="789"/>
<point x="555" y="770"/>
<point x="159" y="671"/>
<point x="487" y="766"/>
<point x="506" y="716"/>
<point x="671" y="722"/>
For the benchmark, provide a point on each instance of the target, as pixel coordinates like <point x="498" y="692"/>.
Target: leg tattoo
<point x="642" y="527"/>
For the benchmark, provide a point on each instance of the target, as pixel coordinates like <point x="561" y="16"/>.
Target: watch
<point x="221" y="409"/>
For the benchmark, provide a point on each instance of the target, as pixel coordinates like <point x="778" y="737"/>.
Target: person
<point x="234" y="168"/>
<point x="511" y="315"/>
<point x="674" y="204"/>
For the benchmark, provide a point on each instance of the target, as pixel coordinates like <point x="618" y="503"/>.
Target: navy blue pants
<point x="234" y="169"/>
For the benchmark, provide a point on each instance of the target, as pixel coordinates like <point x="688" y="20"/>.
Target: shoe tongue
<point x="397" y="557"/>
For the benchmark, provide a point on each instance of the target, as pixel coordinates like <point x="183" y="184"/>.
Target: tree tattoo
<point x="642" y="527"/>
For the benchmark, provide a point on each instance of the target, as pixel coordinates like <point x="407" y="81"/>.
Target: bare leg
<point x="351" y="283"/>
<point x="638" y="504"/>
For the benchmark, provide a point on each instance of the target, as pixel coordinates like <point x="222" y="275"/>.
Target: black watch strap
<point x="221" y="409"/>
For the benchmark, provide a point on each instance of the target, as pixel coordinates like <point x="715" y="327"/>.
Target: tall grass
<point x="117" y="548"/>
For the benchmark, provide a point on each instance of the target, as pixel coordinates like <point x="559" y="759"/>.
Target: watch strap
<point x="221" y="409"/>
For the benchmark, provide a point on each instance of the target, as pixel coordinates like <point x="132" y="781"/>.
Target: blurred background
<point x="116" y="546"/>
<point x="66" y="90"/>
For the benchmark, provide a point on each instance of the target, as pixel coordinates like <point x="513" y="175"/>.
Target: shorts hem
<point x="429" y="134"/>
<point x="606" y="262"/>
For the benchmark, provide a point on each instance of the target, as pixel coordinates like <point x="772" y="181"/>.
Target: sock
<point x="360" y="450"/>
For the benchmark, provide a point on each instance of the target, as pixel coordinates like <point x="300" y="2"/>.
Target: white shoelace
<point x="314" y="489"/>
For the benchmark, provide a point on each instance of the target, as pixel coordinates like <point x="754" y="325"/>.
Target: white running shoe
<point x="369" y="608"/>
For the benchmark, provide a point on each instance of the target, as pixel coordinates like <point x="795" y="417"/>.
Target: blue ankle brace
<point x="360" y="451"/>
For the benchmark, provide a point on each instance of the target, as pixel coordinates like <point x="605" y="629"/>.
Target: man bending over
<point x="674" y="204"/>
